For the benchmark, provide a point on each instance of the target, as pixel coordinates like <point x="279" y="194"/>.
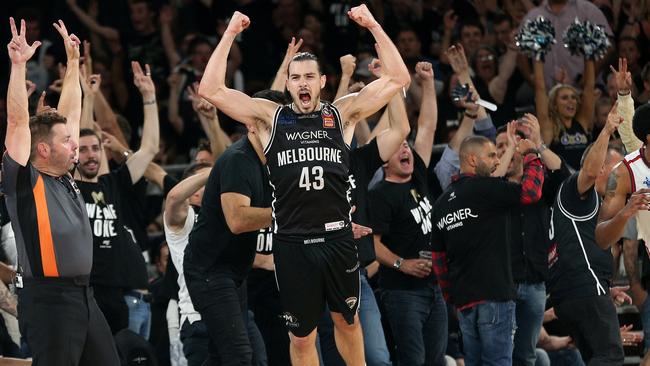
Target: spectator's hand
<point x="619" y="296"/>
<point x="511" y="134"/>
<point x="56" y="86"/>
<point x="71" y="42"/>
<point x="112" y="143"/>
<point x="238" y="23"/>
<point x="87" y="59"/>
<point x="201" y="106"/>
<point x="292" y="49"/>
<point x="630" y="338"/>
<point x="142" y="80"/>
<point x="638" y="201"/>
<point x="41" y="107"/>
<point x="613" y="120"/>
<point x="424" y="72"/>
<point x="89" y="84"/>
<point x="622" y="77"/>
<point x="359" y="231"/>
<point x="375" y="67"/>
<point x="525" y="145"/>
<point x="356" y="87"/>
<point x="93" y="9"/>
<point x="19" y="50"/>
<point x="469" y="101"/>
<point x="166" y="15"/>
<point x="348" y="64"/>
<point x="31" y="87"/>
<point x="449" y="20"/>
<point x="457" y="60"/>
<point x="419" y="268"/>
<point x="531" y="124"/>
<point x="362" y="16"/>
<point x="512" y="45"/>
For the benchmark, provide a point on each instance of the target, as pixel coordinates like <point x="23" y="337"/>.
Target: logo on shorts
<point x="351" y="301"/>
<point x="328" y="117"/>
<point x="336" y="225"/>
<point x="290" y="320"/>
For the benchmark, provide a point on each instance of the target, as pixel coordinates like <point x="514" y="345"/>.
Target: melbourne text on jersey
<point x="302" y="154"/>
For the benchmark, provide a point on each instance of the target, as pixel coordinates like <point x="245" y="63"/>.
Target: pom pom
<point x="586" y="39"/>
<point x="536" y="37"/>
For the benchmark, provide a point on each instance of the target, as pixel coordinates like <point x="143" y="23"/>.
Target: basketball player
<point x="306" y="145"/>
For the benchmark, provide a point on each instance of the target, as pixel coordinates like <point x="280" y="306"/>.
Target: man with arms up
<point x="307" y="145"/>
<point x="58" y="314"/>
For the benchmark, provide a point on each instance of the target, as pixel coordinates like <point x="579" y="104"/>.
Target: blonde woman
<point x="565" y="115"/>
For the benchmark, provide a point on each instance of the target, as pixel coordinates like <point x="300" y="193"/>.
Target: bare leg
<point x="303" y="350"/>
<point x="349" y="340"/>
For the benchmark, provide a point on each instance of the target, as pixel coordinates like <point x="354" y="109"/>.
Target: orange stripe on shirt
<point x="48" y="258"/>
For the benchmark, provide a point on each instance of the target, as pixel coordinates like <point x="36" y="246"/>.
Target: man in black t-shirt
<point x="581" y="269"/>
<point x="471" y="253"/>
<point x="307" y="145"/>
<point x="117" y="257"/>
<point x="400" y="215"/>
<point x="221" y="249"/>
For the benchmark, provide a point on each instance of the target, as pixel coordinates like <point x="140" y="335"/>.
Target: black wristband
<point x="472" y="116"/>
<point x="624" y="94"/>
<point x="149" y="102"/>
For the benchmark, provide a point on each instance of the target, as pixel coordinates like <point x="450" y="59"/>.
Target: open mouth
<point x="404" y="161"/>
<point x="91" y="165"/>
<point x="305" y="98"/>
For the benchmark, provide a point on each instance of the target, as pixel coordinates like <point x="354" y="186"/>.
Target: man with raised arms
<point x="315" y="255"/>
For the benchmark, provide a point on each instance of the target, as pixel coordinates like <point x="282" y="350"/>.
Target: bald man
<point x="471" y="252"/>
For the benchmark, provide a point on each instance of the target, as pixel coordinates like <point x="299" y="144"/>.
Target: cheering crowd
<point x="325" y="182"/>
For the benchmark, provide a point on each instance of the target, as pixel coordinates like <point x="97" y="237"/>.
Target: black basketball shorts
<point x="312" y="271"/>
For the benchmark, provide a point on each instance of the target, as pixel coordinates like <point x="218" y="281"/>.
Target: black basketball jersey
<point x="578" y="266"/>
<point x="308" y="163"/>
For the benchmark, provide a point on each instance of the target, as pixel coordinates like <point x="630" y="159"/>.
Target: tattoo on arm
<point x="612" y="184"/>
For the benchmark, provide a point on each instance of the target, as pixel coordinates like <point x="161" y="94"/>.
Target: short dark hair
<point x="88" y="132"/>
<point x="472" y="23"/>
<point x="305" y="56"/>
<point x="192" y="169"/>
<point x="641" y="123"/>
<point x="40" y="129"/>
<point x="504" y="129"/>
<point x="197" y="41"/>
<point x="272" y="95"/>
<point x="500" y="18"/>
<point x="204" y="145"/>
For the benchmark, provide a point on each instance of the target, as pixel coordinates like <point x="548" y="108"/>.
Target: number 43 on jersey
<point x="313" y="180"/>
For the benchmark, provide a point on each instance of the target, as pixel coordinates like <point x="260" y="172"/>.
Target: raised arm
<point x="428" y="119"/>
<point x="549" y="158"/>
<point x="458" y="62"/>
<point x="90" y="23"/>
<point x="70" y="99"/>
<point x="234" y="103"/>
<point x="541" y="102"/>
<point x="176" y="204"/>
<point x="166" y="17"/>
<point x="348" y="64"/>
<point x="596" y="156"/>
<point x="585" y="115"/>
<point x="207" y="113"/>
<point x="615" y="213"/>
<point x="138" y="163"/>
<point x="18" y="138"/>
<point x="623" y="79"/>
<point x="90" y="86"/>
<point x="281" y="76"/>
<point x="375" y="95"/>
<point x="506" y="158"/>
<point x="499" y="85"/>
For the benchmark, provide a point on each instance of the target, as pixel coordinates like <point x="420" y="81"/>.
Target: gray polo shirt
<point x="49" y="219"/>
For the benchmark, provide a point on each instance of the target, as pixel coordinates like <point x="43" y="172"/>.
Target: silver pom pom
<point x="586" y="39"/>
<point x="536" y="37"/>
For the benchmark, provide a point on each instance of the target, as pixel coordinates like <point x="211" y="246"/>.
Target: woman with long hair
<point x="565" y="115"/>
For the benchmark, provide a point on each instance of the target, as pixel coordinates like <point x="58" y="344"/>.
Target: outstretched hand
<point x="622" y="77"/>
<point x="142" y="80"/>
<point x="19" y="50"/>
<point x="70" y="41"/>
